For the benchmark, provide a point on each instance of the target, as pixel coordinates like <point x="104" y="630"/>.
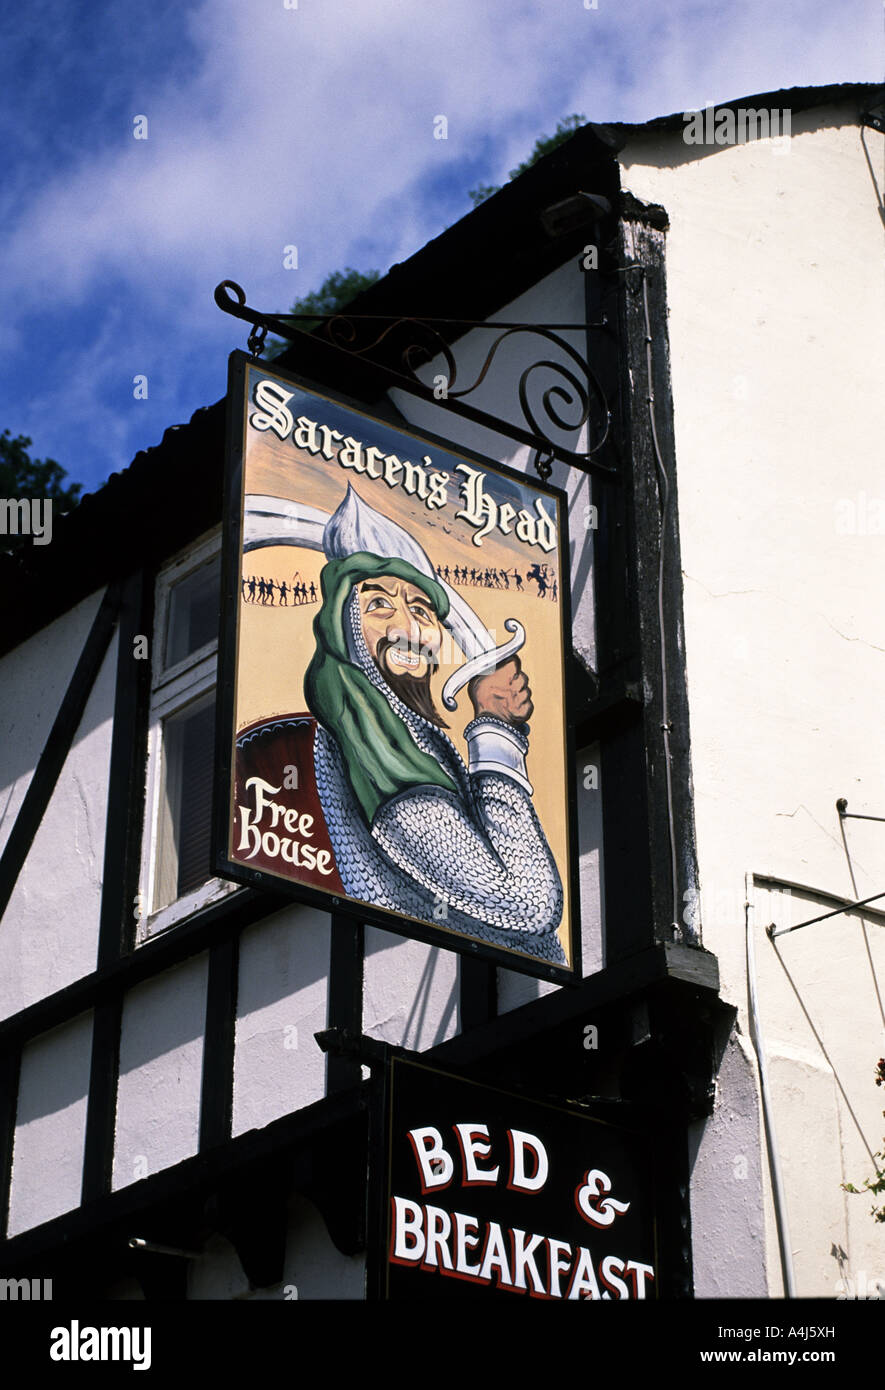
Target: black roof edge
<point x="170" y="494"/>
<point x="793" y="99"/>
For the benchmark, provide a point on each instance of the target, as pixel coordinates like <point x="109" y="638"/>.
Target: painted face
<point x="400" y="626"/>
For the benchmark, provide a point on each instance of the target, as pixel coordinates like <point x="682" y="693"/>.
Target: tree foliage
<point x="333" y="295"/>
<point x="543" y="145"/>
<point x="22" y="476"/>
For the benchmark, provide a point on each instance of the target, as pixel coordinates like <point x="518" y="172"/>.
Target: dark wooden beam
<point x="345" y="1007"/>
<point x="478" y="992"/>
<point x="58" y="745"/>
<point x="216" y="1101"/>
<point x="122" y="851"/>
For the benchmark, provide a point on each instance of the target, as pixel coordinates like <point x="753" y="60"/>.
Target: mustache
<point x="429" y="653"/>
<point x="414" y="691"/>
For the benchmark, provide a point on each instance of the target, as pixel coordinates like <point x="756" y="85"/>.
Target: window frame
<point x="173" y="689"/>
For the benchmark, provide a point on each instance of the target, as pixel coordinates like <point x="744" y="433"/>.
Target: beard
<point x="414" y="691"/>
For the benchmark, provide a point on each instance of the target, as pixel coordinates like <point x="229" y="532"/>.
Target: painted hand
<point x="504" y="693"/>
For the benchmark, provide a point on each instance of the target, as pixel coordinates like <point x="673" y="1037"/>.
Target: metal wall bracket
<point x="413" y="342"/>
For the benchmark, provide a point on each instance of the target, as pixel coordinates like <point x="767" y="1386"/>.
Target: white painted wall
<point x="410" y="991"/>
<point x="827" y="1109"/>
<point x="283" y="1002"/>
<point x="161" y="1068"/>
<point x="725" y="1158"/>
<point x="50" y="1131"/>
<point x="777" y="307"/>
<point x="50" y="926"/>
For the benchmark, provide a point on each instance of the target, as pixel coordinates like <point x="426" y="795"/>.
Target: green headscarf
<point x="380" y="755"/>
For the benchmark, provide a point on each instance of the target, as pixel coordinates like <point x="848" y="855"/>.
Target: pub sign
<point x="393" y="737"/>
<point x="493" y="1194"/>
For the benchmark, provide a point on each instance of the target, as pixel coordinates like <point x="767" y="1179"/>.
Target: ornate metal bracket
<point x="416" y="341"/>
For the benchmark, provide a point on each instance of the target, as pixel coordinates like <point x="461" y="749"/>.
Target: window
<point x="176" y="877"/>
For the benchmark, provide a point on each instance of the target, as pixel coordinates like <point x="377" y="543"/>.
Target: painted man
<point x="413" y="829"/>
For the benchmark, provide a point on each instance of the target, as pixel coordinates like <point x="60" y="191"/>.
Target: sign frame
<point x="226" y="733"/>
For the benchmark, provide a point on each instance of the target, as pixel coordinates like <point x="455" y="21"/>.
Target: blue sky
<point x="270" y="126"/>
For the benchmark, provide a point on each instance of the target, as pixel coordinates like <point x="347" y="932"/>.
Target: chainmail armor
<point x="477" y="862"/>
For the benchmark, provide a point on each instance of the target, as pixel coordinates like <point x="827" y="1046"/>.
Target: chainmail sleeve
<point x="488" y="860"/>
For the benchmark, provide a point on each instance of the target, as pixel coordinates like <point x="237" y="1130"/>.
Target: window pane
<point x="194" y="605"/>
<point x="186" y="802"/>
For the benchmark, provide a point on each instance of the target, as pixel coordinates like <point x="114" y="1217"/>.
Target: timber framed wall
<point x="655" y="998"/>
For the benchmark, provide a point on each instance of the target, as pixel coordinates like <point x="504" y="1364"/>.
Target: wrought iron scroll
<point x="575" y="400"/>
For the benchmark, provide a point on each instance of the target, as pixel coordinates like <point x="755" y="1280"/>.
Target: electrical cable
<point x="866" y="939"/>
<point x="665" y="707"/>
<point x="777" y="1185"/>
<point x="820" y="1044"/>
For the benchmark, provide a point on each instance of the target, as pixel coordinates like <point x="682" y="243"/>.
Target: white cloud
<point x="299" y="125"/>
<point x="315" y="127"/>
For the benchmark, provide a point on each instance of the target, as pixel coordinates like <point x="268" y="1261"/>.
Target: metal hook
<point x="543" y="464"/>
<point x="255" y="342"/>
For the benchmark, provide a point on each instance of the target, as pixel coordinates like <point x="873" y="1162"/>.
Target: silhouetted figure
<point x="540" y="579"/>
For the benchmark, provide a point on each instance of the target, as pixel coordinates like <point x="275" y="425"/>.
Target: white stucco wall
<point x="410" y="991"/>
<point x="776" y="313"/>
<point x="50" y="1131"/>
<point x="50" y="926"/>
<point x="821" y="1028"/>
<point x="282" y="1003"/>
<point x="161" y="1068"/>
<point x="726" y="1160"/>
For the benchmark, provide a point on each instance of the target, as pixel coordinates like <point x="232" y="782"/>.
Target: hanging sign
<point x="393" y="736"/>
<point x="492" y="1194"/>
